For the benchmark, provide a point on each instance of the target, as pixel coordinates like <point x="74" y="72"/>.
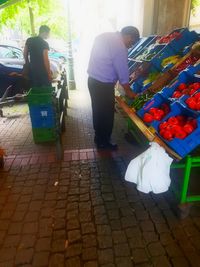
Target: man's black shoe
<point x="108" y="146"/>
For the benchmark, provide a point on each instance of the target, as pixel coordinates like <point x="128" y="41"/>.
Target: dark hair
<point x="132" y="31"/>
<point x="44" y="28"/>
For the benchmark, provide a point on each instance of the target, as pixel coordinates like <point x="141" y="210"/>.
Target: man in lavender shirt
<point x="109" y="64"/>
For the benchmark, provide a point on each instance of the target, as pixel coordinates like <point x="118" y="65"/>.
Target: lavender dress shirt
<point x="109" y="59"/>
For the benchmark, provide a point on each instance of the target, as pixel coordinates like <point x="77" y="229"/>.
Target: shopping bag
<point x="150" y="170"/>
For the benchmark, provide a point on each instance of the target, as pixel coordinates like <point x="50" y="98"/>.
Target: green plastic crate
<point x="40" y="96"/>
<point x="42" y="135"/>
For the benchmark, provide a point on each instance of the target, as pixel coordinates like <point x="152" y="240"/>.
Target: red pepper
<point x="197" y="95"/>
<point x="173" y="121"/>
<point x="163" y="125"/>
<point x="182" y="86"/>
<point x="180" y="134"/>
<point x="188" y="128"/>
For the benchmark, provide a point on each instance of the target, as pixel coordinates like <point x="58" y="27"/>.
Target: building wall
<point x="171" y="14"/>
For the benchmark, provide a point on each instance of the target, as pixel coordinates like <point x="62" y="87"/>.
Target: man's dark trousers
<point x="103" y="102"/>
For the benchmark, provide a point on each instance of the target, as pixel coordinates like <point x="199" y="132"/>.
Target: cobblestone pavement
<point x="81" y="212"/>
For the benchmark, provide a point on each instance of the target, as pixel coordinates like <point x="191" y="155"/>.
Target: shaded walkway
<point x="81" y="212"/>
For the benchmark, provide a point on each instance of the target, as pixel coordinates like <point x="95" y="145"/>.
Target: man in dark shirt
<point x="37" y="59"/>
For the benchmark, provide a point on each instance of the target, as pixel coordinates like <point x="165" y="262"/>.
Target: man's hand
<point x="128" y="91"/>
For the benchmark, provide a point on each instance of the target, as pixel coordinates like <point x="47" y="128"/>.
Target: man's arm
<point x="120" y="63"/>
<point x="47" y="63"/>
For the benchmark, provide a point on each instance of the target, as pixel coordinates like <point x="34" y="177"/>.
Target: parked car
<point x="54" y="54"/>
<point x="12" y="61"/>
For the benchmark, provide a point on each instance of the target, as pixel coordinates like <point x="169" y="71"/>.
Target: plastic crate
<point x="185" y="38"/>
<point x="42" y="135"/>
<point x="155" y="102"/>
<point x="184" y="77"/>
<point x="42" y="116"/>
<point x="141" y="45"/>
<point x="183" y="99"/>
<point x="40" y="95"/>
<point x="165" y="52"/>
<point x="182" y="146"/>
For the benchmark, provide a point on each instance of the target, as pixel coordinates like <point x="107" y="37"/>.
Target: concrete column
<point x="171" y="14"/>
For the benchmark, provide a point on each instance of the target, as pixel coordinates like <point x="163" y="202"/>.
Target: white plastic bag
<point x="150" y="170"/>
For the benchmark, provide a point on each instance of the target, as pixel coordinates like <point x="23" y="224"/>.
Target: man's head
<point x="44" y="31"/>
<point x="130" y="35"/>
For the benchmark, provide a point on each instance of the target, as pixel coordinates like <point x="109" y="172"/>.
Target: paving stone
<point x="103" y="230"/>
<point x="166" y="239"/>
<point x="58" y="245"/>
<point x="89" y="240"/>
<point x="87" y="228"/>
<point x="139" y="255"/>
<point x="124" y="261"/>
<point x="57" y="260"/>
<point x="30" y="228"/>
<point x="24" y="256"/>
<point x="119" y="237"/>
<point x="179" y="262"/>
<point x="15" y="228"/>
<point x="128" y="221"/>
<point x="150" y="237"/>
<point x="147" y="226"/>
<point x="7" y="254"/>
<point x="72" y="262"/>
<point x="89" y="253"/>
<point x="41" y="259"/>
<point x="73" y="224"/>
<point x="91" y="264"/>
<point x="74" y="250"/>
<point x="108" y="265"/>
<point x="105" y="256"/>
<point x="27" y="241"/>
<point x="43" y="244"/>
<point x="74" y="236"/>
<point x="85" y="216"/>
<point x="173" y="250"/>
<point x="132" y="232"/>
<point x="156" y="249"/>
<point x="12" y="240"/>
<point x="136" y="242"/>
<point x="122" y="250"/>
<point x="104" y="241"/>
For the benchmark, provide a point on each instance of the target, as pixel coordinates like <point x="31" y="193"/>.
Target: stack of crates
<point x="43" y="112"/>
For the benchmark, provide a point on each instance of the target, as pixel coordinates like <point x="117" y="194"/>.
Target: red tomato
<point x="152" y="111"/>
<point x="157" y="116"/>
<point x="186" y="91"/>
<point x="191" y="102"/>
<point x="163" y="125"/>
<point x="182" y="86"/>
<point x="197" y="95"/>
<point x="188" y="128"/>
<point x="148" y="118"/>
<point x="161" y="112"/>
<point x="162" y="132"/>
<point x="192" y="122"/>
<point x="175" y="129"/>
<point x="167" y="135"/>
<point x="192" y="91"/>
<point x="198" y="105"/>
<point x="177" y="94"/>
<point x="180" y="134"/>
<point x="196" y="86"/>
<point x="173" y="121"/>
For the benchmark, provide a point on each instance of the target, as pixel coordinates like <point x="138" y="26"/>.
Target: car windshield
<point x="10" y="52"/>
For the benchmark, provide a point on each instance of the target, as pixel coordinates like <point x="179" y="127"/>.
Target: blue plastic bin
<point x="183" y="146"/>
<point x="186" y="38"/>
<point x="184" y="77"/>
<point x="42" y="116"/>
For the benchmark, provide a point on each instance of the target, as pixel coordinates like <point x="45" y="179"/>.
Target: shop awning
<point x="6" y="3"/>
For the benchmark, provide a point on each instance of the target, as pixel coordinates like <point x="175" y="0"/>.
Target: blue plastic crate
<point x="182" y="146"/>
<point x="42" y="116"/>
<point x="155" y="102"/>
<point x="185" y="38"/>
<point x="136" y="88"/>
<point x="166" y="52"/>
<point x="141" y="45"/>
<point x="184" y="77"/>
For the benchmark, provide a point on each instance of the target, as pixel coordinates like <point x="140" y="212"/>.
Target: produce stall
<point x="164" y="74"/>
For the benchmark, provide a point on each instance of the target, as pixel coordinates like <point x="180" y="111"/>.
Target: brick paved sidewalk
<point x="81" y="212"/>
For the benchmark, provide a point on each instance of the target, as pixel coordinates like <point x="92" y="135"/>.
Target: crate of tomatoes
<point x="155" y="110"/>
<point x="186" y="85"/>
<point x="180" y="129"/>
